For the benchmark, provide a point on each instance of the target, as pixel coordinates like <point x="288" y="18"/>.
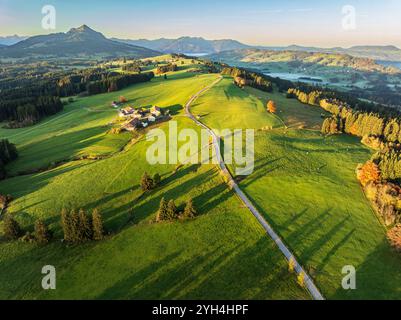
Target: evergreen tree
<point x="97" y="225"/>
<point x="189" y="211"/>
<point x="42" y="233"/>
<point x="12" y="229"/>
<point x="162" y="212"/>
<point x="76" y="235"/>
<point x="85" y="226"/>
<point x="66" y="225"/>
<point x="171" y="210"/>
<point x="146" y="182"/>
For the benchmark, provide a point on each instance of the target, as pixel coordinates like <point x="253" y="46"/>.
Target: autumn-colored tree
<point x="301" y="279"/>
<point x="369" y="172"/>
<point x="291" y="265"/>
<point x="123" y="99"/>
<point x="12" y="229"/>
<point x="271" y="106"/>
<point x="42" y="233"/>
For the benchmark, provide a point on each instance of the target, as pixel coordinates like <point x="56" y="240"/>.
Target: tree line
<point x="118" y="82"/>
<point x="8" y="153"/>
<point x="78" y="227"/>
<point x="244" y="77"/>
<point x="167" y="68"/>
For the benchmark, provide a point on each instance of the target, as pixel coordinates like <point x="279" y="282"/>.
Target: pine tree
<point x="97" y="225"/>
<point x="12" y="229"/>
<point x="189" y="211"/>
<point x="85" y="226"/>
<point x="66" y="224"/>
<point x="75" y="227"/>
<point x="146" y="182"/>
<point x="42" y="233"/>
<point x="162" y="212"/>
<point x="171" y="210"/>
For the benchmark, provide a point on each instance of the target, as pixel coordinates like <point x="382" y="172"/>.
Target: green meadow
<point x="305" y="185"/>
<point x="221" y="254"/>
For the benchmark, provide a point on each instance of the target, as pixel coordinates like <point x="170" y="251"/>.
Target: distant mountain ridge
<point x="77" y="41"/>
<point x="301" y="59"/>
<point x="10" y="40"/>
<point x="188" y="45"/>
<point x="385" y="53"/>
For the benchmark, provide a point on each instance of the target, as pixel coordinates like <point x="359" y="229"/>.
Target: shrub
<point x="42" y="233"/>
<point x="12" y="229"/>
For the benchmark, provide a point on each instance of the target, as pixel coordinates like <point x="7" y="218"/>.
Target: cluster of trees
<point x="13" y="231"/>
<point x="167" y="68"/>
<point x="168" y="211"/>
<point x="8" y="152"/>
<point x="23" y="110"/>
<point x="243" y="77"/>
<point x="118" y="82"/>
<point x="132" y="67"/>
<point x="79" y="227"/>
<point x="148" y="183"/>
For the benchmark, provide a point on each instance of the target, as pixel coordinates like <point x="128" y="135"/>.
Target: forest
<point x="8" y="153"/>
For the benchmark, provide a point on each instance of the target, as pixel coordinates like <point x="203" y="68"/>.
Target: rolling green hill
<point x="306" y="187"/>
<point x="222" y="254"/>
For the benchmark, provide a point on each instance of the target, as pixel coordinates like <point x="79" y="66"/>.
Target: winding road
<point x="309" y="284"/>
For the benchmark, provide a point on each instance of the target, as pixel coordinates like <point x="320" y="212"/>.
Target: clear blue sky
<point x="265" y="22"/>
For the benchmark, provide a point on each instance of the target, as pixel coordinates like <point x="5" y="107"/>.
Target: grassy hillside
<point x="222" y="254"/>
<point x="305" y="185"/>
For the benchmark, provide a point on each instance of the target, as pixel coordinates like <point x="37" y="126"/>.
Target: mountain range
<point x="84" y="40"/>
<point x="10" y="40"/>
<point x="301" y="60"/>
<point x="384" y="53"/>
<point x="187" y="45"/>
<point x="77" y="41"/>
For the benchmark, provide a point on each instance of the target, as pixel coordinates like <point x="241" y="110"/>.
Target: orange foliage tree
<point x="271" y="106"/>
<point x="123" y="99"/>
<point x="369" y="172"/>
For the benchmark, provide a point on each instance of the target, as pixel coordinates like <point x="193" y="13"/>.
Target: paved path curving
<point x="309" y="284"/>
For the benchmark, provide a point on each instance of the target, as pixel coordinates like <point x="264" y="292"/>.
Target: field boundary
<point x="309" y="284"/>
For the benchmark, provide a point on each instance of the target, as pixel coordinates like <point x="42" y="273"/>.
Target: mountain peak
<point x="83" y="28"/>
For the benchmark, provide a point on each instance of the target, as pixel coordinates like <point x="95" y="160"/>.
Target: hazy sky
<point x="265" y="22"/>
